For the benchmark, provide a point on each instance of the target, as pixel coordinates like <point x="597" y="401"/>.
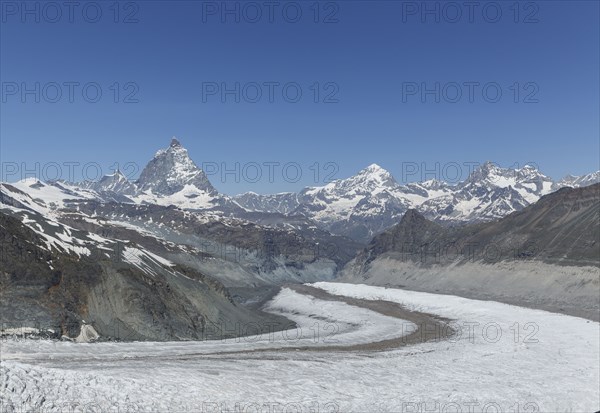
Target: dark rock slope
<point x="126" y="297"/>
<point x="561" y="228"/>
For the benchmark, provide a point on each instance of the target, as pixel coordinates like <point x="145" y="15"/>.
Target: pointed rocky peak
<point x="486" y="169"/>
<point x="412" y="230"/>
<point x="412" y="216"/>
<point x="116" y="176"/>
<point x="172" y="170"/>
<point x="115" y="182"/>
<point x="488" y="166"/>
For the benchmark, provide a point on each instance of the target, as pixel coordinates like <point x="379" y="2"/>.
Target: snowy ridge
<point x="578" y="181"/>
<point x="81" y="244"/>
<point x="45" y="198"/>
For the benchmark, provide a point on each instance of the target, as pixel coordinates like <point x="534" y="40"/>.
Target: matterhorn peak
<point x="172" y="170"/>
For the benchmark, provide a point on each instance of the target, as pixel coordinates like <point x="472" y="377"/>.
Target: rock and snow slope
<point x="546" y="255"/>
<point x="59" y="278"/>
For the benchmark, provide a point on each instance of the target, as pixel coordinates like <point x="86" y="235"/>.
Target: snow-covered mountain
<point x="578" y="181"/>
<point x="372" y="201"/>
<point x="113" y="184"/>
<point x="247" y="250"/>
<point x="358" y="207"/>
<point x="172" y="171"/>
<point x="283" y="203"/>
<point x="170" y="178"/>
<point x="489" y="193"/>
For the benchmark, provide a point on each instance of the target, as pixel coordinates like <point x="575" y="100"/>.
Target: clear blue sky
<point x="369" y="51"/>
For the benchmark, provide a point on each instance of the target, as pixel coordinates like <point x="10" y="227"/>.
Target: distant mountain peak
<point x="434" y="184"/>
<point x="115" y="175"/>
<point x="171" y="170"/>
<point x="375" y="175"/>
<point x="579" y="181"/>
<point x="374" y="168"/>
<point x="491" y="175"/>
<point x="115" y="182"/>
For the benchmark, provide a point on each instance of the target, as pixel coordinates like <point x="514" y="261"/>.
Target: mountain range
<point x="169" y="250"/>
<point x="370" y="202"/>
<point x="358" y="207"/>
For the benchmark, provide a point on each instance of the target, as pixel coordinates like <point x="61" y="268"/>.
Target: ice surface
<point x="509" y="359"/>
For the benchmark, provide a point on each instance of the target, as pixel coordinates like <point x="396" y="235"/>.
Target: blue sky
<point x="367" y="60"/>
